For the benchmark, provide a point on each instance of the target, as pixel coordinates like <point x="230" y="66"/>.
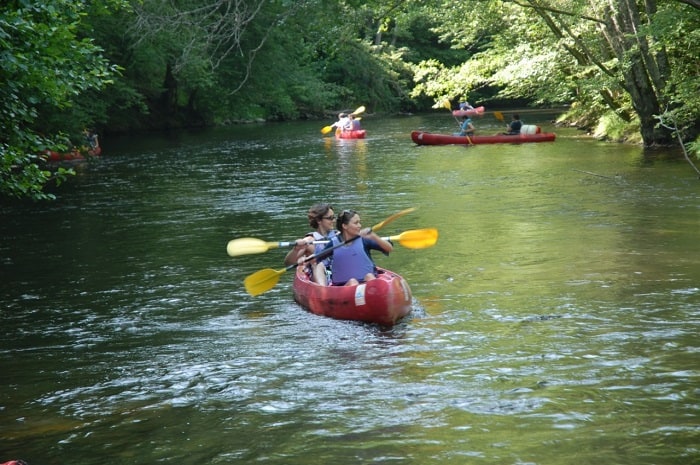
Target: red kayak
<point x="427" y="138"/>
<point x="383" y="301"/>
<point x="478" y="111"/>
<point x="72" y="156"/>
<point x="354" y="134"/>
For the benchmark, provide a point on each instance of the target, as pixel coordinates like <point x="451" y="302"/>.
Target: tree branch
<point x="534" y="4"/>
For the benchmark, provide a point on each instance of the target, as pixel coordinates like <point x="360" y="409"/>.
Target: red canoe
<point x="478" y="111"/>
<point x="72" y="156"/>
<point x="427" y="138"/>
<point x="354" y="134"/>
<point x="383" y="301"/>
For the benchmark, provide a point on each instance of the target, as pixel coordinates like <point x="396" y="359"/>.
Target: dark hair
<point x="317" y="212"/>
<point x="344" y="218"/>
<point x="516" y="116"/>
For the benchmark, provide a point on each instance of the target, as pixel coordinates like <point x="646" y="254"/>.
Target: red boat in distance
<point x="478" y="111"/>
<point x="353" y="134"/>
<point x="427" y="138"/>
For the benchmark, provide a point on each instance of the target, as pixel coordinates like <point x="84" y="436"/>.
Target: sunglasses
<point x="347" y="214"/>
<point x="332" y="217"/>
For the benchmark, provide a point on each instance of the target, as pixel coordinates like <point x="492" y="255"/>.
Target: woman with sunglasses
<point x="352" y="263"/>
<point x="321" y="218"/>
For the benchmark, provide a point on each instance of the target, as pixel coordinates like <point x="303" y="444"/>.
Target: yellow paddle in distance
<point x="499" y="116"/>
<point x="264" y="280"/>
<point x="358" y="110"/>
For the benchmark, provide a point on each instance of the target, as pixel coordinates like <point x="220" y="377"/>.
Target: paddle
<point x="413" y="239"/>
<point x="416" y="238"/>
<point x="264" y="280"/>
<point x="447" y="105"/>
<point x="499" y="116"/>
<point x="360" y="109"/>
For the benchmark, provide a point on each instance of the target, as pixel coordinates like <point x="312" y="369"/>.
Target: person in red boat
<point x="352" y="263"/>
<point x="466" y="128"/>
<point x="354" y="123"/>
<point x="514" y="126"/>
<point x="465" y="105"/>
<point x="321" y="218"/>
<point x="343" y="122"/>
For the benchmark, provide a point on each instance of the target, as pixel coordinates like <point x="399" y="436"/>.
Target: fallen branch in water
<point x="596" y="174"/>
<point x="675" y="129"/>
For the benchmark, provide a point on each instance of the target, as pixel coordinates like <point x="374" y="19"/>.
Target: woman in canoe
<point x="466" y="128"/>
<point x="352" y="263"/>
<point x="343" y="122"/>
<point x="321" y="218"/>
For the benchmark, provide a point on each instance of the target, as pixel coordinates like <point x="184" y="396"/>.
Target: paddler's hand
<point x="303" y="260"/>
<point x="302" y="243"/>
<point x="385" y="245"/>
<point x="297" y="253"/>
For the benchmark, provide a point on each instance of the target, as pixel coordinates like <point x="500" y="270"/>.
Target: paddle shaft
<point x="326" y="252"/>
<point x="290" y="244"/>
<point x="251" y="245"/>
<point x="322" y="254"/>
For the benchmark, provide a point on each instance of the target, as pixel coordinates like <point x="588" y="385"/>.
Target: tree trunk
<point x="638" y="68"/>
<point x="168" y="98"/>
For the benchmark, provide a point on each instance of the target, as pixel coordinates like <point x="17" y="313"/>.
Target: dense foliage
<point x="45" y="66"/>
<point x="621" y="66"/>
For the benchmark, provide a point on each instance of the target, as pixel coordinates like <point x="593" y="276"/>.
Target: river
<point x="555" y="321"/>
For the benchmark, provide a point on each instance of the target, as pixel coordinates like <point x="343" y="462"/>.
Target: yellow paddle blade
<point x="417" y="238"/>
<point x="359" y="110"/>
<point x="393" y="217"/>
<point x="326" y="129"/>
<point x="248" y="245"/>
<point x="498" y="115"/>
<point x="262" y="281"/>
<point x="447" y="105"/>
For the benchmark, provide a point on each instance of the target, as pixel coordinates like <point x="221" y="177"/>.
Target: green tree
<point x="45" y="64"/>
<point x="625" y="61"/>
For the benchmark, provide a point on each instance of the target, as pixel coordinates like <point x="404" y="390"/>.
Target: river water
<point x="555" y="322"/>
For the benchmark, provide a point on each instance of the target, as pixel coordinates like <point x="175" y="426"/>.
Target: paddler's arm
<point x="383" y="244"/>
<point x="300" y="249"/>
